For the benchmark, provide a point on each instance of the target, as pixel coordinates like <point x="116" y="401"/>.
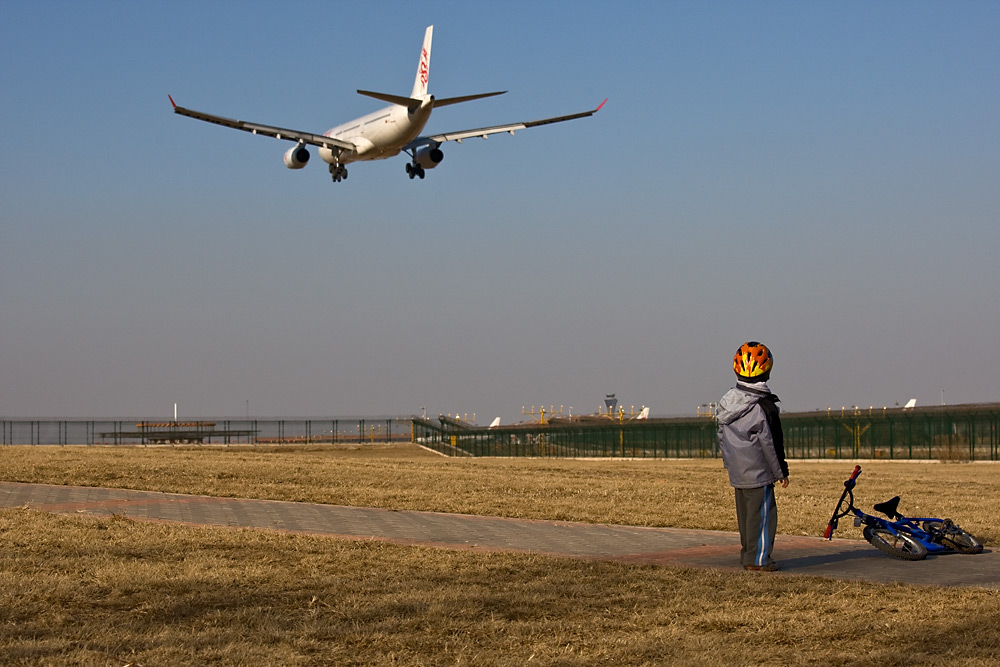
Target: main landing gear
<point x="414" y="170"/>
<point x="338" y="172"/>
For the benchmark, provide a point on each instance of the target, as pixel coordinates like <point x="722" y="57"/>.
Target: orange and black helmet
<point x="753" y="360"/>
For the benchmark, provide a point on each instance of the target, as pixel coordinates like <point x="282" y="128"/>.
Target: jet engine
<point x="428" y="157"/>
<point x="296" y="157"/>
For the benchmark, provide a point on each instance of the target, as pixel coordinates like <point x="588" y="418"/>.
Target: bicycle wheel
<point x="954" y="537"/>
<point x="898" y="546"/>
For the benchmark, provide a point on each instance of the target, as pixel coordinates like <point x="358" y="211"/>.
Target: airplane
<point x="385" y="133"/>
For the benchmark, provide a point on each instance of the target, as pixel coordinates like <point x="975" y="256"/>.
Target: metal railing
<point x="219" y="431"/>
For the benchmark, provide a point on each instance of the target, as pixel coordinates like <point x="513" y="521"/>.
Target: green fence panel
<point x="951" y="433"/>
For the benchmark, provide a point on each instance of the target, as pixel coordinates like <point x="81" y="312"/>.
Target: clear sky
<point x="820" y="176"/>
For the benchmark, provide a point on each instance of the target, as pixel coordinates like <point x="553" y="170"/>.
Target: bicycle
<point x="899" y="536"/>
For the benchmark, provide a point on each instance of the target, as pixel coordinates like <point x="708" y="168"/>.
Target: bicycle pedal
<point x="857" y="522"/>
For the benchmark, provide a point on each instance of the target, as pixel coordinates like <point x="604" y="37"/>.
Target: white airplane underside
<point x="382" y="134"/>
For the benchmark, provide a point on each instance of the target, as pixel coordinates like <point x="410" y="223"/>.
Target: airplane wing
<point x="484" y="132"/>
<point x="266" y="130"/>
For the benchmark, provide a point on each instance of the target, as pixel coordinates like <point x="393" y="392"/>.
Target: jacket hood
<point x="740" y="399"/>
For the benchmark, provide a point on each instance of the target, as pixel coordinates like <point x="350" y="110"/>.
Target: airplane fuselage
<point x="380" y="134"/>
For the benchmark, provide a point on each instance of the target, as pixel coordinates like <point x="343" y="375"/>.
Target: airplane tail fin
<point x="419" y="94"/>
<point x="423" y="67"/>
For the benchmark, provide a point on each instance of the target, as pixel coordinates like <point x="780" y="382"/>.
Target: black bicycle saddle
<point x="889" y="508"/>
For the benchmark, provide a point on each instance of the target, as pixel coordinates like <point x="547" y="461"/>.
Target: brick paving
<point x="814" y="556"/>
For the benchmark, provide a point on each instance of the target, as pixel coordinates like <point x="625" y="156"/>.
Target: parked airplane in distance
<point x="382" y="134"/>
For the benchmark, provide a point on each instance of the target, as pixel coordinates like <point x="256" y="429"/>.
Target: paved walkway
<point x="838" y="559"/>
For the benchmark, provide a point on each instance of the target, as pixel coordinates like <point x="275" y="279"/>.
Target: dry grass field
<point x="683" y="494"/>
<point x="78" y="590"/>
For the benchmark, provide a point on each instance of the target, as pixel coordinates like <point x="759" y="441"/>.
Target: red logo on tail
<point x="423" y="70"/>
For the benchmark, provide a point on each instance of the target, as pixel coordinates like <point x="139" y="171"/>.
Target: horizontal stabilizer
<point x="465" y="98"/>
<point x="392" y="99"/>
<point x="411" y="101"/>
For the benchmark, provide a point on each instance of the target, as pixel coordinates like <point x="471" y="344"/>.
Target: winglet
<point x="600" y="105"/>
<point x="172" y="101"/>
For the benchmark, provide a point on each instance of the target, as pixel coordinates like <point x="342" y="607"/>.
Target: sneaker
<point x="770" y="567"/>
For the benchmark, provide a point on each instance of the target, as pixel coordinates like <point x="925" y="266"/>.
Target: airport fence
<point x="211" y="431"/>
<point x="953" y="433"/>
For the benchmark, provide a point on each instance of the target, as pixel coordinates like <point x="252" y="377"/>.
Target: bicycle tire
<point x="900" y="545"/>
<point x="954" y="537"/>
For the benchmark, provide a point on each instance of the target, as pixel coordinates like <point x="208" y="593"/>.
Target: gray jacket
<point x="750" y="436"/>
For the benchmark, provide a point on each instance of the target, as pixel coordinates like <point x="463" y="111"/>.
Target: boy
<point x="752" y="445"/>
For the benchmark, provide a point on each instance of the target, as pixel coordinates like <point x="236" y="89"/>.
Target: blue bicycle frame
<point x="897" y="534"/>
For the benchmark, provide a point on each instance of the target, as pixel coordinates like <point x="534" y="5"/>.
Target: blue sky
<point x="823" y="177"/>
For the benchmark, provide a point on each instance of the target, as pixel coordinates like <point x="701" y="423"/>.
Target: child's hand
<point x="783" y="482"/>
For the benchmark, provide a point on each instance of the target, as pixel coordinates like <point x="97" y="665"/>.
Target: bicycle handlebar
<point x="848" y="486"/>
